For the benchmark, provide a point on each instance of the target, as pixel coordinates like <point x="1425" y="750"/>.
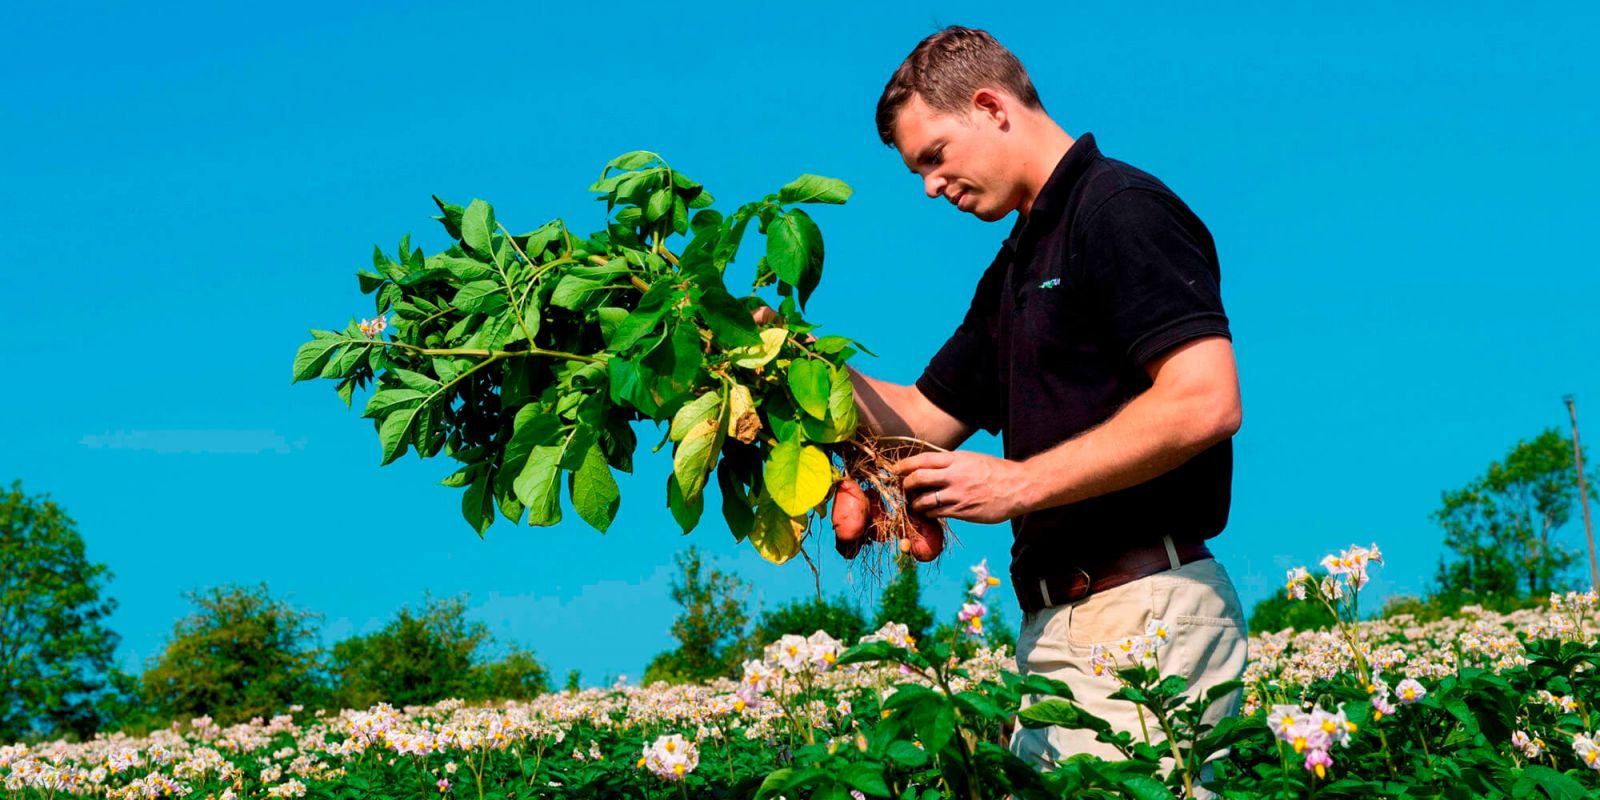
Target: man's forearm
<point x="881" y="405"/>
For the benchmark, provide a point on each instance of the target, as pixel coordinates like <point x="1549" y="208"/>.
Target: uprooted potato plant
<point x="526" y="357"/>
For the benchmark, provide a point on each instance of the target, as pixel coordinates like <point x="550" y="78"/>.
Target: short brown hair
<point x="946" y="68"/>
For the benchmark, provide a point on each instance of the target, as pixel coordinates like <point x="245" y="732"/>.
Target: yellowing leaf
<point x="744" y="424"/>
<point x="693" y="413"/>
<point x="757" y="356"/>
<point x="692" y="461"/>
<point x="777" y="535"/>
<point x="797" y="475"/>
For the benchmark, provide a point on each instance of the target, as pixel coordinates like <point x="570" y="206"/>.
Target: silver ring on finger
<point x="936" y="501"/>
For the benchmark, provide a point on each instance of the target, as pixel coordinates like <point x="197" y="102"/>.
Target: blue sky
<point x="1398" y="195"/>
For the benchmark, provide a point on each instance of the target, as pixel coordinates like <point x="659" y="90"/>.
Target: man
<point x="1097" y="345"/>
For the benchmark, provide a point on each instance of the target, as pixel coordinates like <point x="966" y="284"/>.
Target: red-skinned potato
<point x="849" y="518"/>
<point x="928" y="540"/>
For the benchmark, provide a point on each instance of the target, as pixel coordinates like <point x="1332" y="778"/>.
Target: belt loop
<point x="1172" y="552"/>
<point x="1045" y="592"/>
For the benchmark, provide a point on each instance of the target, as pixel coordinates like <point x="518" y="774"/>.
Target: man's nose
<point x="934" y="186"/>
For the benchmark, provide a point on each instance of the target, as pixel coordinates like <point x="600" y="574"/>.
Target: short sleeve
<point x="963" y="378"/>
<point x="1152" y="268"/>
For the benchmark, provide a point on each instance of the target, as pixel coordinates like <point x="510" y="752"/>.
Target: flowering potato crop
<point x="1481" y="705"/>
<point x="526" y="357"/>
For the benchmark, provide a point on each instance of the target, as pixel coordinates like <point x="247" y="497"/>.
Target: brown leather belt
<point x="1077" y="582"/>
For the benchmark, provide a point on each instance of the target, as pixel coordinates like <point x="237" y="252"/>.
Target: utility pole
<point x="1583" y="492"/>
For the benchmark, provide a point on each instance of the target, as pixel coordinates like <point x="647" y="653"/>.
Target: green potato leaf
<point x="594" y="491"/>
<point x="312" y="356"/>
<point x="537" y="485"/>
<point x="645" y="317"/>
<point x="480" y="297"/>
<point x="810" y="383"/>
<point x="685" y="512"/>
<point x="475" y="504"/>
<point x="477" y="227"/>
<point x="814" y="189"/>
<point x="794" y="248"/>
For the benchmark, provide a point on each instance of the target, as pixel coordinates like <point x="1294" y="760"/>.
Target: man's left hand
<point x="963" y="485"/>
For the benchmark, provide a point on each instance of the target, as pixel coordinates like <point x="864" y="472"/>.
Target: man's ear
<point x="989" y="104"/>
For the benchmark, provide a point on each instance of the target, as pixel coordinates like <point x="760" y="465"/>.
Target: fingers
<point x="934" y="460"/>
<point x="930" y="506"/>
<point x="764" y="315"/>
<point x="924" y="480"/>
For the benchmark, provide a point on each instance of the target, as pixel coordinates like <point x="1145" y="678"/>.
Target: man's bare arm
<point x="889" y="409"/>
<point x="1192" y="404"/>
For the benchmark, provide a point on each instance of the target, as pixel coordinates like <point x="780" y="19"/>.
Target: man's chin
<point x="990" y="214"/>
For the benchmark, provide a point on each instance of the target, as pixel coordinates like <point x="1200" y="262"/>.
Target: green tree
<point x="415" y="659"/>
<point x="55" y="650"/>
<point x="1279" y="611"/>
<point x="515" y="676"/>
<point x="804" y="616"/>
<point x="1501" y="526"/>
<point x="901" y="602"/>
<point x="241" y="654"/>
<point x="710" y="625"/>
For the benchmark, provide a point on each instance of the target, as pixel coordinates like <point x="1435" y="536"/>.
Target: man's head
<point x="965" y="117"/>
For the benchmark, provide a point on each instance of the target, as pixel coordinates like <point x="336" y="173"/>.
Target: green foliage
<point x="241" y="654"/>
<point x="55" y="649"/>
<point x="1278" y="611"/>
<point x="517" y="675"/>
<point x="573" y="678"/>
<point x="804" y="616"/>
<point x="415" y="659"/>
<point x="526" y="357"/>
<point x="710" y="625"/>
<point x="901" y="602"/>
<point x="1501" y="525"/>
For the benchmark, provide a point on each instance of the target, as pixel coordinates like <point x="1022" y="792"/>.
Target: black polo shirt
<point x="1108" y="271"/>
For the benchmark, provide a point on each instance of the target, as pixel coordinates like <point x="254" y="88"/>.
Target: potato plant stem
<point x="494" y="354"/>
<point x="516" y="308"/>
<point x="967" y="762"/>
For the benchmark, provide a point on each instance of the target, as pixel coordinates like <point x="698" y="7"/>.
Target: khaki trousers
<point x="1207" y="646"/>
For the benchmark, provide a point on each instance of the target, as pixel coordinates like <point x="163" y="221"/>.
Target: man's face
<point x="960" y="156"/>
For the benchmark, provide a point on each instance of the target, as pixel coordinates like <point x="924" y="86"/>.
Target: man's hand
<point x="963" y="485"/>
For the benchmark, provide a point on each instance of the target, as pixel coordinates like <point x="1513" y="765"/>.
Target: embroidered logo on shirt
<point x="1050" y="284"/>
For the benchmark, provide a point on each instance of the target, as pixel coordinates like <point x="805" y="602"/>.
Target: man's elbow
<point x="1223" y="421"/>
